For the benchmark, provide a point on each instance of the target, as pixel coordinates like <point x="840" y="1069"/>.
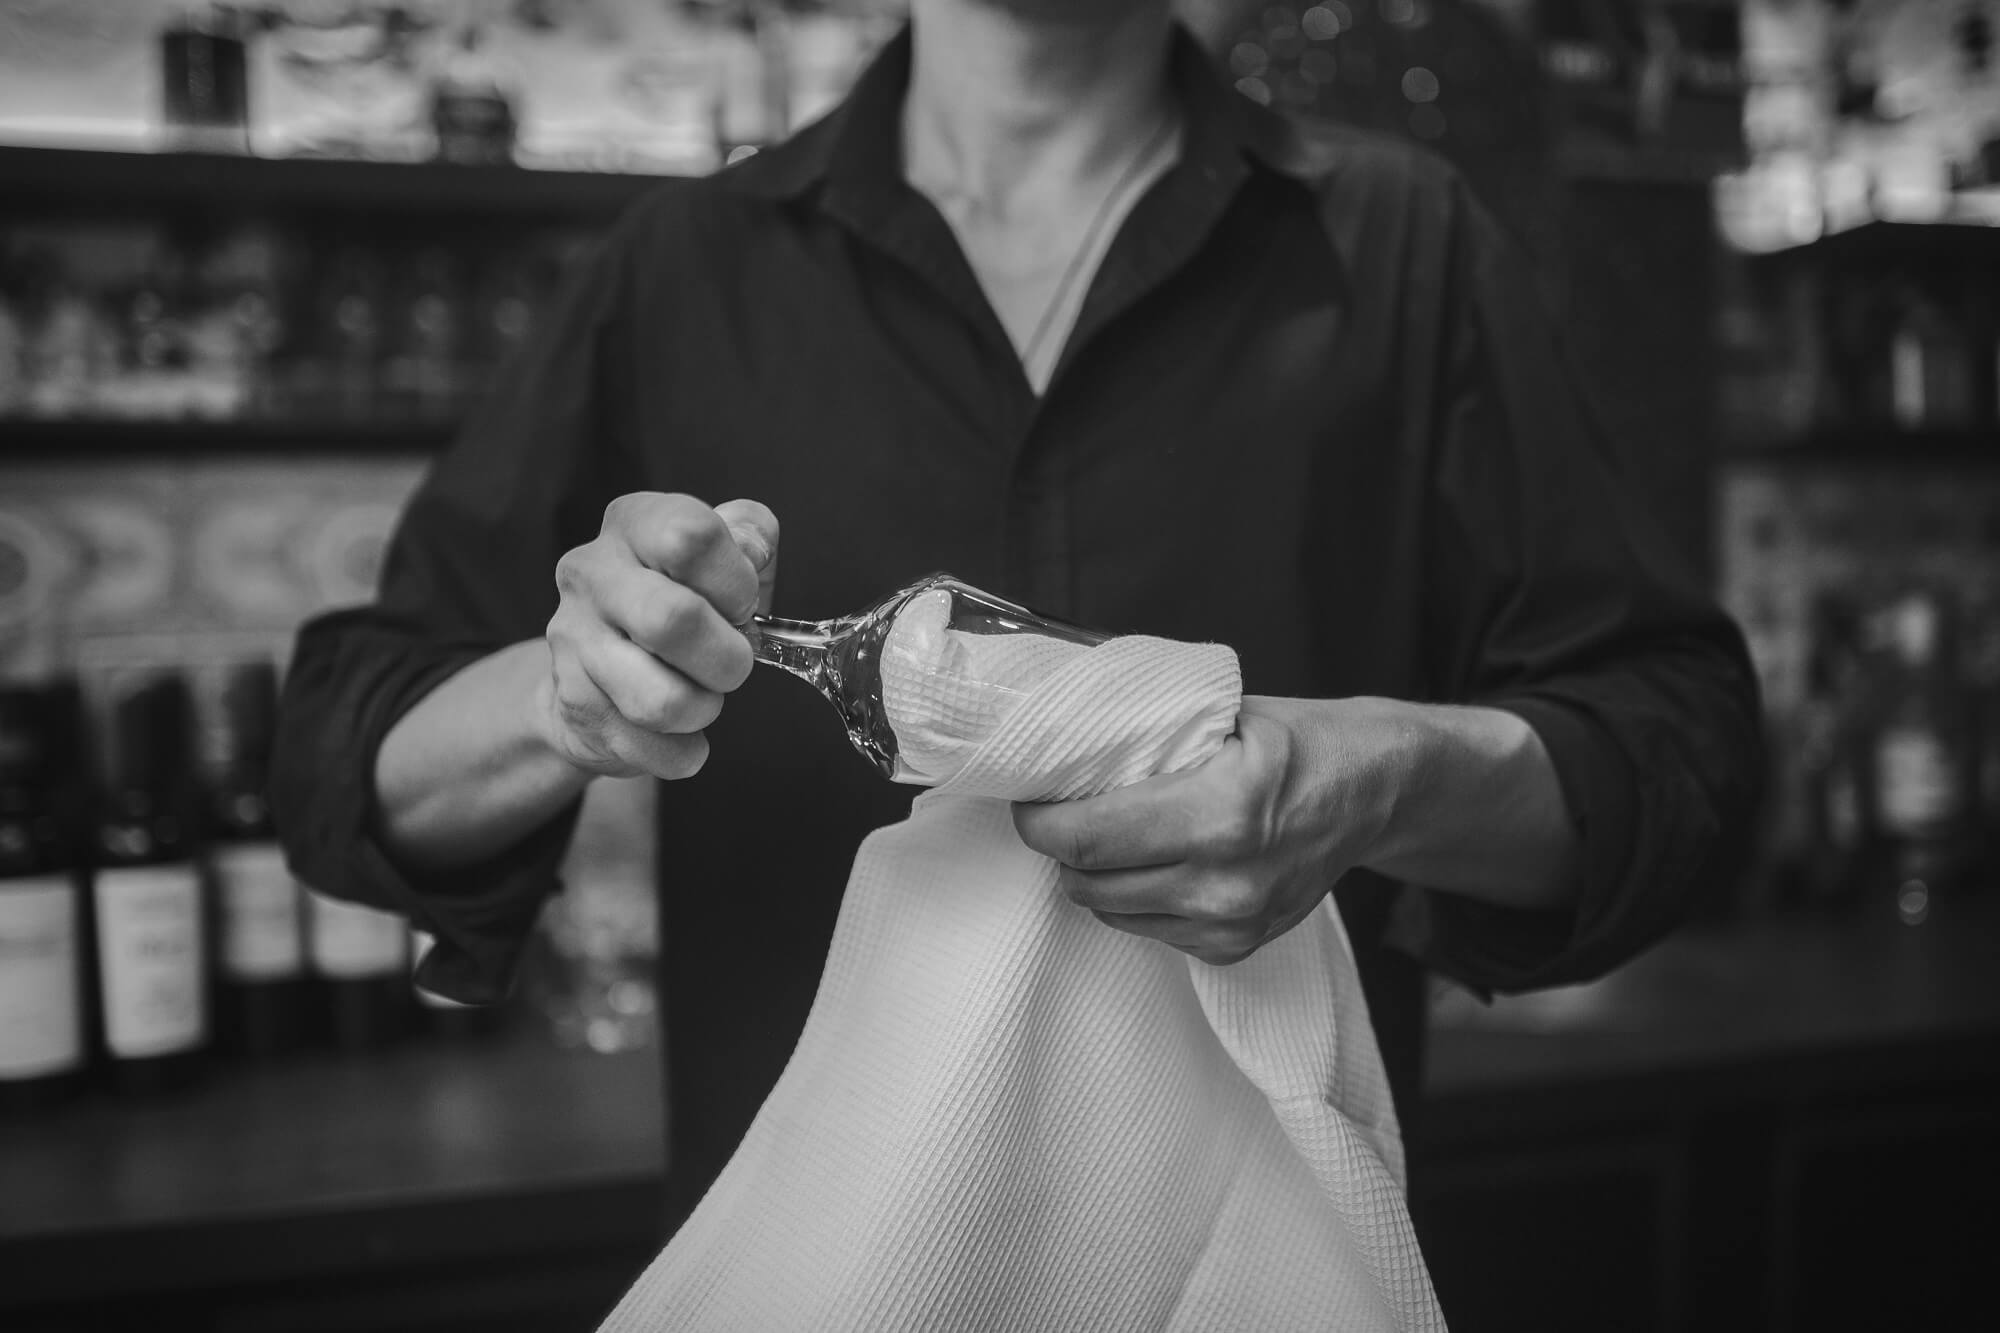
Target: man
<point x="1047" y="305"/>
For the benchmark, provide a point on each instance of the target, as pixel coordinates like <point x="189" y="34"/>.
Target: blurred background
<point x="256" y="261"/>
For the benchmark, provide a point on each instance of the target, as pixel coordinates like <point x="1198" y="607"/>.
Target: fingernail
<point x="751" y="542"/>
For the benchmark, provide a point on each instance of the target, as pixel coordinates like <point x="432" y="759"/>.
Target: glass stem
<point x="798" y="646"/>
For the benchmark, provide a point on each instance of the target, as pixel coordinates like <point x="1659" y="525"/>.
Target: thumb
<point x="755" y="528"/>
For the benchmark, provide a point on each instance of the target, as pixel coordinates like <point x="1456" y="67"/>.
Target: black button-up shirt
<point x="1311" y="409"/>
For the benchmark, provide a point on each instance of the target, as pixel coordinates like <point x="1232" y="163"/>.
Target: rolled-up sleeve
<point x="469" y="570"/>
<point x="1553" y="593"/>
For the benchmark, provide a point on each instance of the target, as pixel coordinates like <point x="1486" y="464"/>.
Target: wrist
<point x="542" y="728"/>
<point x="1382" y="751"/>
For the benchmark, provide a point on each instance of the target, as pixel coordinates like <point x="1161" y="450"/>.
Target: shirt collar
<point x="859" y="143"/>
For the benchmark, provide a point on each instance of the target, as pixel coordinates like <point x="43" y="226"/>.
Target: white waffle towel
<point x="1003" y="1115"/>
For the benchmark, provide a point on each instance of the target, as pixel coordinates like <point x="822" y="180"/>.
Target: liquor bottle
<point x="147" y="898"/>
<point x="422" y="376"/>
<point x="204" y="80"/>
<point x="260" y="1000"/>
<point x="1982" y="680"/>
<point x="1922" y="759"/>
<point x="43" y="1051"/>
<point x="1834" y="757"/>
<point x="923" y="673"/>
<point x="472" y="107"/>
<point x="360" y="960"/>
<point x="341" y="376"/>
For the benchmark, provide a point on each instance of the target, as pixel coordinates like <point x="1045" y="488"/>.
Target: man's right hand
<point x="649" y="634"/>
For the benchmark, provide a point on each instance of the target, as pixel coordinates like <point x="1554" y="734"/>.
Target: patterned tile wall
<point x="120" y="567"/>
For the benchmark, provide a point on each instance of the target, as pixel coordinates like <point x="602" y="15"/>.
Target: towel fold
<point x="1003" y="1115"/>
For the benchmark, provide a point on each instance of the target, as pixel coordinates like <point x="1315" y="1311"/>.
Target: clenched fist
<point x="649" y="634"/>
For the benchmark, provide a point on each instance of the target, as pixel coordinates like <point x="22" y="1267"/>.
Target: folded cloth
<point x="1003" y="1115"/>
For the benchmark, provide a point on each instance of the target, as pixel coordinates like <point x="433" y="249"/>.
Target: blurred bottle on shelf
<point x="1922" y="757"/>
<point x="234" y="327"/>
<point x="43" y="1051"/>
<point x="151" y="381"/>
<point x="13" y="338"/>
<point x="204" y="79"/>
<point x="72" y="347"/>
<point x="509" y="291"/>
<point x="338" y="372"/>
<point x="473" y="103"/>
<point x="1833" y="755"/>
<point x="424" y="373"/>
<point x="259" y="908"/>
<point x="147" y="895"/>
<point x="360" y="959"/>
<point x="1930" y="364"/>
<point x="1982" y="681"/>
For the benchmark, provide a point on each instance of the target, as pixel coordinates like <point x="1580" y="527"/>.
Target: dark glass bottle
<point x="360" y="960"/>
<point x="1922" y="759"/>
<point x="1834" y="762"/>
<point x="147" y="896"/>
<point x="43" y="1051"/>
<point x="260" y="963"/>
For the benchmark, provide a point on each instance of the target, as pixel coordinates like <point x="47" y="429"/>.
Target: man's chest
<point x="1222" y="462"/>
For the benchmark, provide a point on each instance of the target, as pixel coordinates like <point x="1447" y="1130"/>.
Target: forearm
<point x="1473" y="806"/>
<point x="466" y="772"/>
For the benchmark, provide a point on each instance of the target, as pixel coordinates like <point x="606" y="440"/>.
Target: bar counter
<point x="1664" y="1132"/>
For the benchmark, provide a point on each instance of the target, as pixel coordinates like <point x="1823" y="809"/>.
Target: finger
<point x="1138" y="891"/>
<point x="669" y="757"/>
<point x="672" y="622"/>
<point x="679" y="536"/>
<point x="1207" y="943"/>
<point x="1155" y="822"/>
<point x="646" y="692"/>
<point x="755" y="528"/>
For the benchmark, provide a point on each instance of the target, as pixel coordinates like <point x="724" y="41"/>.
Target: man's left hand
<point x="1220" y="860"/>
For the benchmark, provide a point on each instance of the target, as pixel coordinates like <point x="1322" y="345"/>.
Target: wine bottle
<point x="259" y="907"/>
<point x="360" y="960"/>
<point x="925" y="672"/>
<point x="42" y="1046"/>
<point x="1922" y="759"/>
<point x="147" y="897"/>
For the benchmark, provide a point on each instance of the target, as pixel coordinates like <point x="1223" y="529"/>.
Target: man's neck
<point x="1031" y="96"/>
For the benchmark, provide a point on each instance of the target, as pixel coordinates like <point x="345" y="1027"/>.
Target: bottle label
<point x="41" y="1023"/>
<point x="263" y="938"/>
<point x="150" y="959"/>
<point x="350" y="941"/>
<point x="1919" y="788"/>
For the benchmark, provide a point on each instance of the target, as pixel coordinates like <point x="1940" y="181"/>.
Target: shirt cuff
<point x="482" y="915"/>
<point x="1492" y="948"/>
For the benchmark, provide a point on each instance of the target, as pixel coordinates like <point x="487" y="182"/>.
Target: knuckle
<point x="691" y="538"/>
<point x="667" y="618"/>
<point x="1231" y="832"/>
<point x="653" y="707"/>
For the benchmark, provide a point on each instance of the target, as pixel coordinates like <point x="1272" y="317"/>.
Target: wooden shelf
<point x="72" y="180"/>
<point x="22" y="440"/>
<point x="1874" y="447"/>
<point x="1929" y="243"/>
